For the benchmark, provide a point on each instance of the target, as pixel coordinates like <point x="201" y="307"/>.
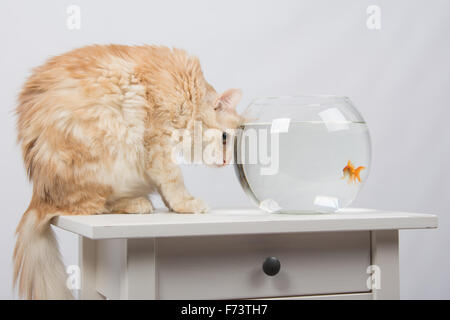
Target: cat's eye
<point x="218" y="106"/>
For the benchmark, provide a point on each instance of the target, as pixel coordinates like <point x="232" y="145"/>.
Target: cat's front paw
<point x="191" y="206"/>
<point x="131" y="205"/>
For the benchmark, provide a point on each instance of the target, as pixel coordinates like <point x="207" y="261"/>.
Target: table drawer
<point x="230" y="267"/>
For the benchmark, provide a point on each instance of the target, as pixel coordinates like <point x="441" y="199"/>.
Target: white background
<point x="398" y="77"/>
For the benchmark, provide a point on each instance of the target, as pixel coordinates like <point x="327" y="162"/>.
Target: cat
<point x="96" y="127"/>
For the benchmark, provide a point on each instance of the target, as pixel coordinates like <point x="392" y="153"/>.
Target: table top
<point x="238" y="221"/>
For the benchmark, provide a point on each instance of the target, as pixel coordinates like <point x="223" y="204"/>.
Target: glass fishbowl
<point x="302" y="154"/>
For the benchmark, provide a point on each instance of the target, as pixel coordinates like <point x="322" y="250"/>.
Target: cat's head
<point x="219" y="120"/>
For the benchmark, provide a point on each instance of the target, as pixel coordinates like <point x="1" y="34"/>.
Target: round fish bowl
<point x="302" y="154"/>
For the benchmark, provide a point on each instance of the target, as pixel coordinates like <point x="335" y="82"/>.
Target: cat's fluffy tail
<point x="38" y="268"/>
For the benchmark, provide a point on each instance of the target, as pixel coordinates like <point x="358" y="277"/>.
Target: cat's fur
<point x="95" y="128"/>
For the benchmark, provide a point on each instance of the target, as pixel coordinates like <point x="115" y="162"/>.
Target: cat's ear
<point x="228" y="100"/>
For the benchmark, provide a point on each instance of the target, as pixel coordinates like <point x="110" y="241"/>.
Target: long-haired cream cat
<point x="95" y="126"/>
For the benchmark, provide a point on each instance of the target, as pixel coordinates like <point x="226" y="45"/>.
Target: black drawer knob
<point x="271" y="266"/>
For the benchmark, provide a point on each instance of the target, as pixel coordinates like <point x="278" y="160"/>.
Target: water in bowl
<point x="299" y="167"/>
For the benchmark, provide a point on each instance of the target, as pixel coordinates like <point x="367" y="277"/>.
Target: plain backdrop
<point x="398" y="77"/>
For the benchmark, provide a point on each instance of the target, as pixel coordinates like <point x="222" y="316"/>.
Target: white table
<point x="352" y="254"/>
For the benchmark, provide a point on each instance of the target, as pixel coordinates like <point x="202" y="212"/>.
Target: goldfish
<point x="351" y="173"/>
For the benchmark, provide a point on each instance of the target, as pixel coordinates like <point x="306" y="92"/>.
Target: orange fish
<point x="351" y="173"/>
